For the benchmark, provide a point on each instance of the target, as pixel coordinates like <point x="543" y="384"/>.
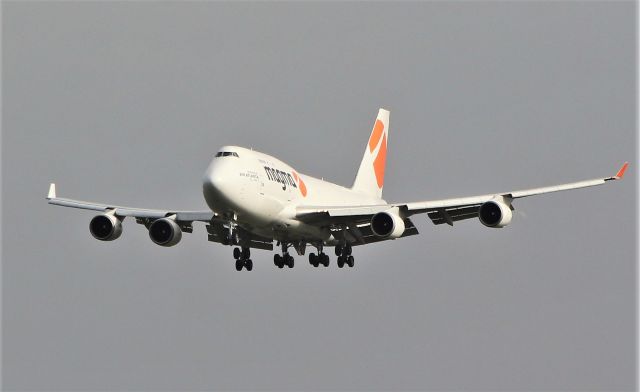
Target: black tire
<point x="239" y="265"/>
<point x="338" y="250"/>
<point x="290" y="262"/>
<point x="237" y="253"/>
<point x="350" y="261"/>
<point x="276" y="260"/>
<point x="312" y="258"/>
<point x="340" y="261"/>
<point x="248" y="264"/>
<point x="347" y="250"/>
<point x="246" y="253"/>
<point x="325" y="259"/>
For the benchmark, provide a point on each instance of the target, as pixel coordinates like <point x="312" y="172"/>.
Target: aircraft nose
<point x="218" y="186"/>
<point x="215" y="176"/>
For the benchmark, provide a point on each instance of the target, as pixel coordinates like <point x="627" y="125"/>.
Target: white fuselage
<point x="262" y="193"/>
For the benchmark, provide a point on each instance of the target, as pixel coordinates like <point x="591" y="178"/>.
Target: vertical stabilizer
<point x="370" y="177"/>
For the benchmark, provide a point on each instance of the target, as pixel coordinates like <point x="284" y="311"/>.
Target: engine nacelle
<point x="495" y="213"/>
<point x="165" y="232"/>
<point x="105" y="227"/>
<point x="386" y="225"/>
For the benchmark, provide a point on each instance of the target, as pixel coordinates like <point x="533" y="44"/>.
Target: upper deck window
<point x="227" y="154"/>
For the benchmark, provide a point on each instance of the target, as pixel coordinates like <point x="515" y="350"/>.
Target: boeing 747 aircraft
<point x="256" y="199"/>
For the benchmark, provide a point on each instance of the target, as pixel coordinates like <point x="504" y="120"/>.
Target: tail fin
<point x="370" y="177"/>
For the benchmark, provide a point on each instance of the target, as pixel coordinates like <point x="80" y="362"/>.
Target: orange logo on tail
<point x="375" y="135"/>
<point x="381" y="157"/>
<point x="378" y="163"/>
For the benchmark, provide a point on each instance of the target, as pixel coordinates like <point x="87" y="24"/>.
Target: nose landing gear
<point x="242" y="258"/>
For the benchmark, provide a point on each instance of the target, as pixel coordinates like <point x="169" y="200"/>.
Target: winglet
<point x="623" y="169"/>
<point x="52" y="191"/>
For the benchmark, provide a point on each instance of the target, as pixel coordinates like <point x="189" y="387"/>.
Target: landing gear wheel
<point x="248" y="264"/>
<point x="239" y="265"/>
<point x="347" y="250"/>
<point x="237" y="253"/>
<point x="338" y="250"/>
<point x="340" y="261"/>
<point x="290" y="261"/>
<point x="313" y="259"/>
<point x="350" y="261"/>
<point x="325" y="259"/>
<point x="277" y="260"/>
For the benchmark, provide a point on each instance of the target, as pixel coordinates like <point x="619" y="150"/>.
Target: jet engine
<point x="165" y="232"/>
<point x="105" y="227"/>
<point x="495" y="213"/>
<point x="387" y="225"/>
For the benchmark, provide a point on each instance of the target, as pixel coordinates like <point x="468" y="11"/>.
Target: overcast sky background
<point x="126" y="103"/>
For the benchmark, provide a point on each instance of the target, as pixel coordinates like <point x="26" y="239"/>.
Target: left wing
<point x="439" y="211"/>
<point x="451" y="210"/>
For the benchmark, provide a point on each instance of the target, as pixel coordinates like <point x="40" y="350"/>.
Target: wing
<point x="439" y="211"/>
<point x="142" y="215"/>
<point x="451" y="210"/>
<point x="360" y="234"/>
<point x="351" y="223"/>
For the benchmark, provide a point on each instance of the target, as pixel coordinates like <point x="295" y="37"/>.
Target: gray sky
<point x="126" y="102"/>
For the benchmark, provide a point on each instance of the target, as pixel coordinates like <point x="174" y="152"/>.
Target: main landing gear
<point x="281" y="261"/>
<point x="320" y="258"/>
<point x="242" y="258"/>
<point x="285" y="259"/>
<point x="344" y="255"/>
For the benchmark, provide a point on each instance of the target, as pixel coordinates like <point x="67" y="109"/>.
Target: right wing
<point x="142" y="213"/>
<point x="183" y="220"/>
<point x="217" y="227"/>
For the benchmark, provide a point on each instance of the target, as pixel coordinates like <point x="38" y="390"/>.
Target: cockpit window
<point x="227" y="154"/>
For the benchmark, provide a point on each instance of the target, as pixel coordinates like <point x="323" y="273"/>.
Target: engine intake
<point x="105" y="227"/>
<point x="494" y="213"/>
<point x="165" y="232"/>
<point x="387" y="225"/>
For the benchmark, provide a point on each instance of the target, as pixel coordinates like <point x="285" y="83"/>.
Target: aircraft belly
<point x="293" y="229"/>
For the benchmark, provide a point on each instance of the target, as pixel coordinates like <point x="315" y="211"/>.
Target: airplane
<point x="256" y="199"/>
